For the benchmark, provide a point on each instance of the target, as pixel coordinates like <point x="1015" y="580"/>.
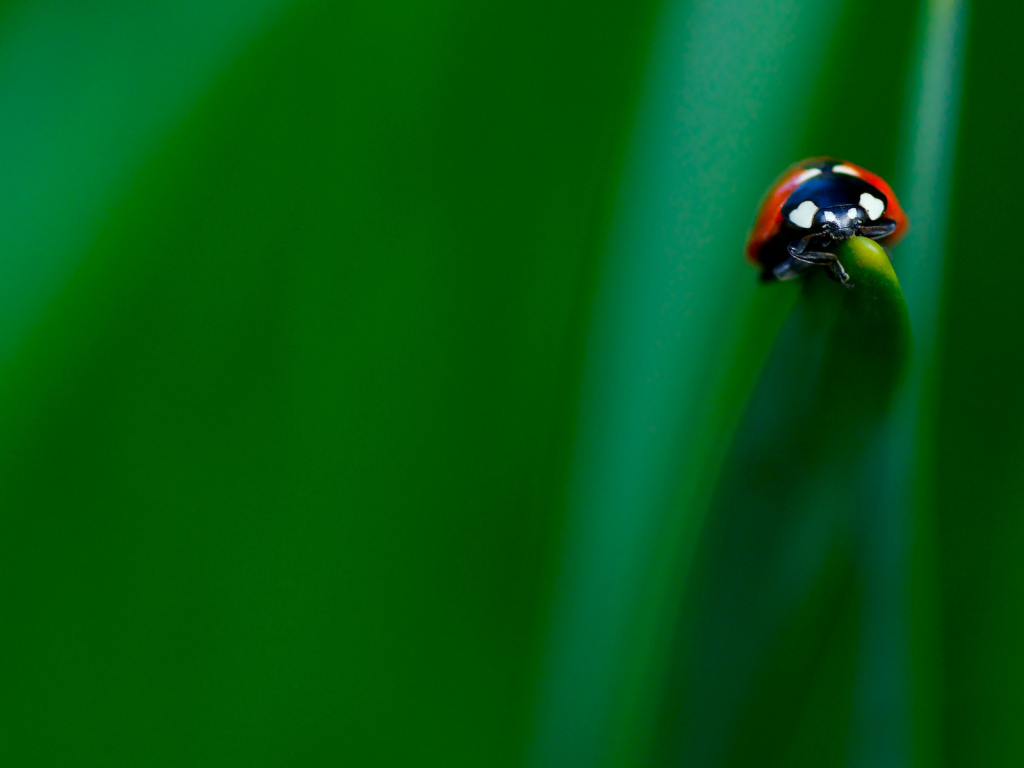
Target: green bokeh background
<point x="374" y="384"/>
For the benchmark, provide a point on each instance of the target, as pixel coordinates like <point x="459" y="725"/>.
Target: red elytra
<point x="771" y="228"/>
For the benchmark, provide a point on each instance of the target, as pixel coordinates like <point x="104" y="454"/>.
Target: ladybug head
<point x="836" y="222"/>
<point x="840" y="222"/>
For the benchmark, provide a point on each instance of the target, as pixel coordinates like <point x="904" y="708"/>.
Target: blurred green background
<point x="381" y="385"/>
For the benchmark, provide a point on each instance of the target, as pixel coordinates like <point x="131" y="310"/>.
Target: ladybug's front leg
<point x="837" y="273"/>
<point x="797" y="247"/>
<point x="883" y="228"/>
<point x="829" y="260"/>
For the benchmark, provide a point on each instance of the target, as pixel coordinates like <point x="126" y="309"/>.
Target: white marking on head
<point x="852" y="213"/>
<point x="803" y="214"/>
<point x="844" y="169"/>
<point x="810" y="173"/>
<point x="829" y="216"/>
<point x="872" y="205"/>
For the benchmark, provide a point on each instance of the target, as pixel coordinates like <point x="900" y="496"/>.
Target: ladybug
<point x="812" y="206"/>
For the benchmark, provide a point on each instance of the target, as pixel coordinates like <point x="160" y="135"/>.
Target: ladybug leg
<point x="877" y="231"/>
<point x="831" y="263"/>
<point x="829" y="260"/>
<point x="837" y="273"/>
<point x="799" y="246"/>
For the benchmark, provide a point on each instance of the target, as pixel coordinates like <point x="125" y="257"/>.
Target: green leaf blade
<point x="775" y="576"/>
